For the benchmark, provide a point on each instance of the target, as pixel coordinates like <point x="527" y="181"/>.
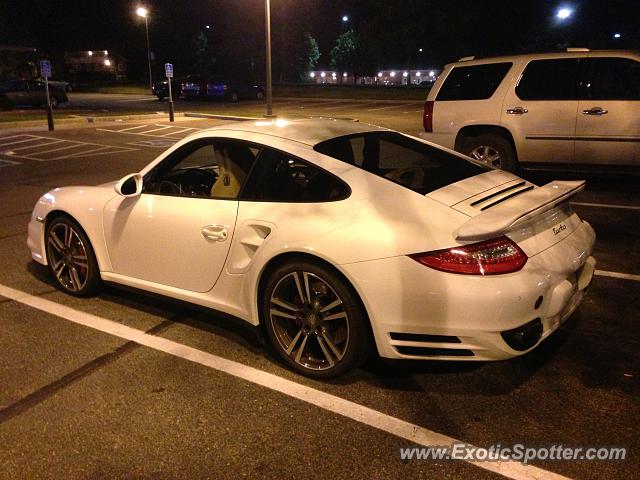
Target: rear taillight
<point x="499" y="255"/>
<point x="427" y="118"/>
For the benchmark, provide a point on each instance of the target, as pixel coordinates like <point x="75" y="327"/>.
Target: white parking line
<point x="401" y="105"/>
<point x="606" y="205"/>
<point x="32" y="142"/>
<point x="130" y="128"/>
<point x="346" y="408"/>
<point x="624" y="276"/>
<point x="157" y="129"/>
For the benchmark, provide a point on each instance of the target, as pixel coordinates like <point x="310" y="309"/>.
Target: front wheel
<point x="70" y="257"/>
<point x="314" y="320"/>
<point x="493" y="150"/>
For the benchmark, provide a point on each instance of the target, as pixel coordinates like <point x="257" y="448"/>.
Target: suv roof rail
<point x="466" y="59"/>
<point x="578" y="50"/>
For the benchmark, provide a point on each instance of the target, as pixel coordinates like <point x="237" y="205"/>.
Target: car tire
<point x="71" y="259"/>
<point x="68" y="88"/>
<point x="234" y="97"/>
<point x="160" y="97"/>
<point x="314" y="320"/>
<point x="493" y="150"/>
<point x="54" y="102"/>
<point x="259" y="95"/>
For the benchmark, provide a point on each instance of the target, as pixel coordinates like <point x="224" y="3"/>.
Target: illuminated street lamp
<point x="617" y="35"/>
<point x="144" y="13"/>
<point x="564" y="13"/>
<point x="345" y="18"/>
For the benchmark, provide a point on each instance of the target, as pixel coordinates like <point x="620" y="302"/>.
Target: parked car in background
<point x="571" y="109"/>
<point x="29" y="92"/>
<point x="221" y="87"/>
<point x="61" y="84"/>
<point x="161" y="89"/>
<point x="194" y="86"/>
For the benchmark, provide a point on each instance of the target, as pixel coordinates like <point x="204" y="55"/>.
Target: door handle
<point x="215" y="232"/>
<point x="517" y="111"/>
<point x="595" y="111"/>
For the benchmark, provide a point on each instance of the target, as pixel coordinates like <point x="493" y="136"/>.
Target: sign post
<point x="45" y="72"/>
<point x="168" y="70"/>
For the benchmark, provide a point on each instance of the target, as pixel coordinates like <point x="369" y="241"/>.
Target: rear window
<point x="556" y="79"/>
<point x="402" y="160"/>
<point x="475" y="82"/>
<point x="612" y="79"/>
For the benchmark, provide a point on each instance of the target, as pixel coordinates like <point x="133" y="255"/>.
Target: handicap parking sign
<point x="45" y="68"/>
<point x="168" y="70"/>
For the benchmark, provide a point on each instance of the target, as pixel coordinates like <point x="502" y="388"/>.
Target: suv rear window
<point x="401" y="159"/>
<point x="556" y="79"/>
<point x="475" y="82"/>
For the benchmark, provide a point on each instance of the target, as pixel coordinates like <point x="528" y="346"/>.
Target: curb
<point x="83" y="120"/>
<point x="220" y="117"/>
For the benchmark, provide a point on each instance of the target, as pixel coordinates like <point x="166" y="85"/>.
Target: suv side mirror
<point x="129" y="186"/>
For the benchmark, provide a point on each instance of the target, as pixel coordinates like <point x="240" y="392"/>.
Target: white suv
<point x="578" y="107"/>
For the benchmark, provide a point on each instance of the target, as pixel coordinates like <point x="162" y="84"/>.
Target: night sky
<point x="392" y="30"/>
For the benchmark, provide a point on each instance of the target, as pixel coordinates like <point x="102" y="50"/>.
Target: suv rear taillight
<point x="499" y="255"/>
<point x="427" y="118"/>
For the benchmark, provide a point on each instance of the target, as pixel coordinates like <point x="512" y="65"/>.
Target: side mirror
<point x="129" y="186"/>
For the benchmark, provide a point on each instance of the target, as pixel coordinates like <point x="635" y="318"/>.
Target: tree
<point x="344" y="53"/>
<point x="204" y="59"/>
<point x="307" y="56"/>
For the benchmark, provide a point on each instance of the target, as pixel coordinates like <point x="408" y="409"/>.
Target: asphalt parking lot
<point x="135" y="386"/>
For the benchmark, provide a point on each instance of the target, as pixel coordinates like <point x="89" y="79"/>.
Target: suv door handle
<point x="215" y="232"/>
<point x="517" y="111"/>
<point x="595" y="111"/>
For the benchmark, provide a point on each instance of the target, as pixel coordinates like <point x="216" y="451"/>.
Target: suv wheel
<point x="493" y="150"/>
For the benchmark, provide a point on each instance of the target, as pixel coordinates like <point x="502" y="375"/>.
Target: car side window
<point x="203" y="169"/>
<point x="279" y="177"/>
<point x="474" y="82"/>
<point x="610" y="78"/>
<point x="555" y="79"/>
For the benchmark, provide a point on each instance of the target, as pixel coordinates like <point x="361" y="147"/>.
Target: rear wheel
<point x="70" y="257"/>
<point x="493" y="150"/>
<point x="259" y="95"/>
<point x="314" y="320"/>
<point x="234" y="97"/>
<point x="54" y="102"/>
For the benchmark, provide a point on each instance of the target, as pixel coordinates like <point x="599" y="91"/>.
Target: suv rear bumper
<point x="446" y="140"/>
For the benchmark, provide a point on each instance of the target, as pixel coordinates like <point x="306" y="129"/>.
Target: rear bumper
<point x="420" y="313"/>
<point x="443" y="139"/>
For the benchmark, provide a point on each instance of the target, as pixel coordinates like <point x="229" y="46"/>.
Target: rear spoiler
<point x="517" y="211"/>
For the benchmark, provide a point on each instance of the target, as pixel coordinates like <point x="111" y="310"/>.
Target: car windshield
<point x="402" y="160"/>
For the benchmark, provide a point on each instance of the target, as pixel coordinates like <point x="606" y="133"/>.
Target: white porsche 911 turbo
<point x="336" y="237"/>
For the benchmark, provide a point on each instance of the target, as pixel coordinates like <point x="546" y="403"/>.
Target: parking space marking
<point x="401" y="105"/>
<point x="148" y="130"/>
<point x="8" y="163"/>
<point x="35" y="142"/>
<point x="623" y="276"/>
<point x="606" y="205"/>
<point x="326" y="401"/>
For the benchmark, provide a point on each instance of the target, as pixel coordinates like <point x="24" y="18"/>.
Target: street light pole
<point x="267" y="29"/>
<point x="144" y="13"/>
<point x="146" y="27"/>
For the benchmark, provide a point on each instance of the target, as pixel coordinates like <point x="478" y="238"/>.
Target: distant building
<point x="87" y="65"/>
<point x="383" y="77"/>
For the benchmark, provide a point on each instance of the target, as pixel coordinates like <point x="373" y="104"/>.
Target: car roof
<point x="309" y="131"/>
<point x="576" y="52"/>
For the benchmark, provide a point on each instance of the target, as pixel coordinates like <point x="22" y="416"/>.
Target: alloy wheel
<point x="68" y="257"/>
<point x="309" y="320"/>
<point x="486" y="154"/>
